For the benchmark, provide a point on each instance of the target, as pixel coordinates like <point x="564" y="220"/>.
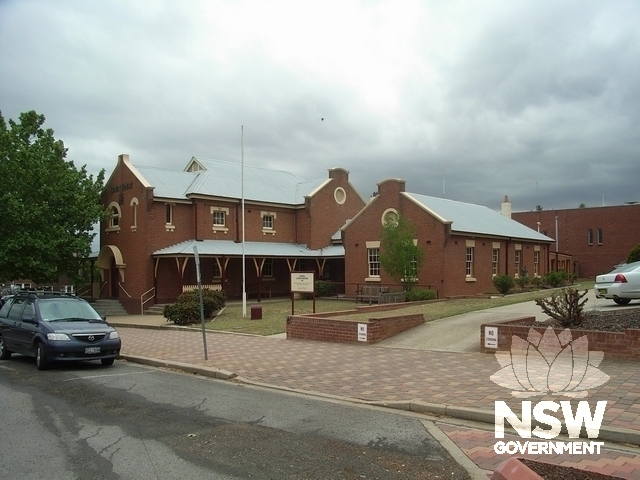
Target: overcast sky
<point x="473" y="100"/>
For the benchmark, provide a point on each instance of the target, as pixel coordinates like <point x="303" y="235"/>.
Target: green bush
<point x="420" y="294"/>
<point x="522" y="281"/>
<point x="325" y="289"/>
<point x="536" y="282"/>
<point x="187" y="307"/>
<point x="555" y="279"/>
<point x="503" y="283"/>
<point x="634" y="255"/>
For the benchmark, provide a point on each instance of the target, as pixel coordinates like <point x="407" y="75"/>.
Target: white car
<point x="621" y="285"/>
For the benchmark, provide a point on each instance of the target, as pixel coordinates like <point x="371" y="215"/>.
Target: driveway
<point x="461" y="333"/>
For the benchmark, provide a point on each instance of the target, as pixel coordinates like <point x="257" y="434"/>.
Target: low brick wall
<point x="327" y="329"/>
<point x="615" y="345"/>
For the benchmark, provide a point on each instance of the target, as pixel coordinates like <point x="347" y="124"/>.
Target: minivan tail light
<point x="620" y="278"/>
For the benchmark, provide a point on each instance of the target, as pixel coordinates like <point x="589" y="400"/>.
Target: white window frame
<point x="536" y="261"/>
<point x="267" y="268"/>
<point x="134" y="206"/>
<point x="115" y="217"/>
<point x="268" y="222"/>
<point x="469" y="262"/>
<point x="168" y="217"/>
<point x="599" y="236"/>
<point x="517" y="261"/>
<point x="373" y="262"/>
<point x="495" y="262"/>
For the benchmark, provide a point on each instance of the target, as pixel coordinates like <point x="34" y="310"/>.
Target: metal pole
<point x="244" y="280"/>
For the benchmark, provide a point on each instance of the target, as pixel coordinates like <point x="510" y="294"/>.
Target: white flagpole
<point x="244" y="282"/>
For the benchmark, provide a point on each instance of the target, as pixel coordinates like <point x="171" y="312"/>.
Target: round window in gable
<point x="340" y="195"/>
<point x="390" y="215"/>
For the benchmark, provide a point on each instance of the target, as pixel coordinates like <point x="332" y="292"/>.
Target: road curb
<point x="608" y="434"/>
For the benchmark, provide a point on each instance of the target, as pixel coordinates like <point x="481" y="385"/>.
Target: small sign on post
<point x="490" y="337"/>
<point x="362" y="332"/>
<point x="302" y="282"/>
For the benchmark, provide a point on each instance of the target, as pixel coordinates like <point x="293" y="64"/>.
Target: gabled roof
<point x="229" y="248"/>
<point x="224" y="179"/>
<point x="475" y="219"/>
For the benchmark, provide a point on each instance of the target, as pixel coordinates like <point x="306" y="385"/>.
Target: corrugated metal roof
<point x="229" y="248"/>
<point x="223" y="179"/>
<point x="470" y="218"/>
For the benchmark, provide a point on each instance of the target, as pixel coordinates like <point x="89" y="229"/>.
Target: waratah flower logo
<point x="550" y="364"/>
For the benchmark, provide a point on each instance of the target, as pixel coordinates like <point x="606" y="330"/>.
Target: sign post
<point x="204" y="336"/>
<point x="302" y="282"/>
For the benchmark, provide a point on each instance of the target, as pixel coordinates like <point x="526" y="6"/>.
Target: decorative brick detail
<point x="324" y="328"/>
<point x="619" y="345"/>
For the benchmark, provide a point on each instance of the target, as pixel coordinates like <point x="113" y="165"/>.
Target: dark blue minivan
<point x="55" y="327"/>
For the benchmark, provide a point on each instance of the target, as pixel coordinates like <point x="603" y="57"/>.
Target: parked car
<point x="55" y="327"/>
<point x="621" y="285"/>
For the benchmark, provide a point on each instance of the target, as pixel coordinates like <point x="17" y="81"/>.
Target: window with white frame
<point x="267" y="267"/>
<point x="517" y="260"/>
<point x="115" y="214"/>
<point x="495" y="259"/>
<point x="373" y="258"/>
<point x="268" y="223"/>
<point x="599" y="232"/>
<point x="469" y="262"/>
<point x="536" y="261"/>
<point x="218" y="218"/>
<point x="590" y="236"/>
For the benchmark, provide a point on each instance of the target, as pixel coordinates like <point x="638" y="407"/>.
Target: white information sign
<point x="302" y="282"/>
<point x="490" y="337"/>
<point x="362" y="332"/>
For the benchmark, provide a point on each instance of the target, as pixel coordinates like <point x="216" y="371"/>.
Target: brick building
<point x="596" y="238"/>
<point x="158" y="215"/>
<point x="465" y="245"/>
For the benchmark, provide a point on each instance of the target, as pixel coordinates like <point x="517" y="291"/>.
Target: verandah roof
<point x="229" y="248"/>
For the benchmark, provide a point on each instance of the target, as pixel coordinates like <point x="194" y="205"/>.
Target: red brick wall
<point x="620" y="227"/>
<point x="444" y="255"/>
<point x="322" y="328"/>
<point x="620" y="345"/>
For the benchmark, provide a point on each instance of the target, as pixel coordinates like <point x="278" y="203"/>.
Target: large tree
<point x="49" y="206"/>
<point x="400" y="257"/>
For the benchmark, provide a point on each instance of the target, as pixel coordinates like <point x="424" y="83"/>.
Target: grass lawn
<point x="275" y="312"/>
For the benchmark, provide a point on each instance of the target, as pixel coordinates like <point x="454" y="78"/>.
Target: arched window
<point x="134" y="206"/>
<point x="114" y="217"/>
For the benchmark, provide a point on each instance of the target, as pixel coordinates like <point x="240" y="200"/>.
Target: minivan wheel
<point x="41" y="358"/>
<point x="4" y="353"/>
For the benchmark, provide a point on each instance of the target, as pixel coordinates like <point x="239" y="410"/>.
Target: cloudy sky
<point x="473" y="100"/>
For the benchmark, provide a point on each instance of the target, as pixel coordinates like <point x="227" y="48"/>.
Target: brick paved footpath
<point x="382" y="374"/>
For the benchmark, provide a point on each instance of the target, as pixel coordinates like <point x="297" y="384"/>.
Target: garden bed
<point x="616" y="333"/>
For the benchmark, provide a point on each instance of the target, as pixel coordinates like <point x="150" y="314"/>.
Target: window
<point x="268" y="223"/>
<point x="373" y="255"/>
<point x="267" y="267"/>
<point x="134" y="206"/>
<point x="517" y="261"/>
<point x="114" y="217"/>
<point x="218" y="218"/>
<point x="168" y="214"/>
<point x="536" y="261"/>
<point x="469" y="263"/>
<point x="590" y="236"/>
<point x="413" y="267"/>
<point x="495" y="257"/>
<point x="599" y="236"/>
<point x="216" y="269"/>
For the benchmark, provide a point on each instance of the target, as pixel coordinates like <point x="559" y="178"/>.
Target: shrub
<point x="634" y="255"/>
<point x="522" y="281"/>
<point x="536" y="282"/>
<point x="187" y="307"/>
<point x="555" y="279"/>
<point x="566" y="306"/>
<point x="503" y="283"/>
<point x="325" y="289"/>
<point x="419" y="294"/>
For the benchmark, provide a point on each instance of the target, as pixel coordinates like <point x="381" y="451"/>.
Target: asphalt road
<point x="134" y="422"/>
